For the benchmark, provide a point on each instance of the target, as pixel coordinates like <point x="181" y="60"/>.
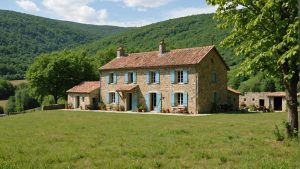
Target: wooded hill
<point x="23" y="36"/>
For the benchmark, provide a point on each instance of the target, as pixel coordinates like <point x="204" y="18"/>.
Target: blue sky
<point x="109" y="12"/>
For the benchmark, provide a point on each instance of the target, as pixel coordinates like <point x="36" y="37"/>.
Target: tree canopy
<point x="53" y="74"/>
<point x="266" y="33"/>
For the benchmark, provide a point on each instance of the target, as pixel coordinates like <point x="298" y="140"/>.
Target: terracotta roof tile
<point x="127" y="87"/>
<point x="187" y="56"/>
<point x="85" y="87"/>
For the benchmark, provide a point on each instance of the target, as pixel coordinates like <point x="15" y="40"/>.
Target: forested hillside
<point x="191" y="31"/>
<point x="23" y="36"/>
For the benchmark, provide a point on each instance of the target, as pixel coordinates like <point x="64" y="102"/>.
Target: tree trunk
<point x="55" y="98"/>
<point x="291" y="99"/>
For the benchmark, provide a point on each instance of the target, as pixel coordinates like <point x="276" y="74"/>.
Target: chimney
<point x="120" y="52"/>
<point x="162" y="47"/>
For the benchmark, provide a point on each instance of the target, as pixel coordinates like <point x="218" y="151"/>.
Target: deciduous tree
<point x="266" y="32"/>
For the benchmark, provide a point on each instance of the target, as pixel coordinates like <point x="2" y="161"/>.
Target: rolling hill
<point x="23" y="36"/>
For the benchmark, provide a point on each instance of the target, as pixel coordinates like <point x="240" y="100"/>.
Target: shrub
<point x="48" y="100"/>
<point x="252" y="107"/>
<point x="6" y="89"/>
<point x="1" y="110"/>
<point x="62" y="101"/>
<point x="278" y="134"/>
<point x="11" y="105"/>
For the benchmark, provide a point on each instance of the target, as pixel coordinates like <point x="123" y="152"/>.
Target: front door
<point x="77" y="102"/>
<point x="129" y="101"/>
<point x="261" y="102"/>
<point x="153" y="102"/>
<point x="278" y="103"/>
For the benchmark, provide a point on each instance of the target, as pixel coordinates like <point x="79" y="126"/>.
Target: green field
<point x="61" y="139"/>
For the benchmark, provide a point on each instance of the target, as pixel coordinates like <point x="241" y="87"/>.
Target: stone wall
<point x="165" y="86"/>
<point x="85" y="99"/>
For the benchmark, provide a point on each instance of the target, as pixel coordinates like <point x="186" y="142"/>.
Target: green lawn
<point x="60" y="139"/>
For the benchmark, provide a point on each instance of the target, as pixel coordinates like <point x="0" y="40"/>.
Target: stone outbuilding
<point x="272" y="100"/>
<point x="84" y="96"/>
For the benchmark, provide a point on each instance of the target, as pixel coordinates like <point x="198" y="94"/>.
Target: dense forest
<point x="36" y="35"/>
<point x="23" y="36"/>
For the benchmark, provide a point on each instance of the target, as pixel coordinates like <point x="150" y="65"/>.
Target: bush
<point x="62" y="101"/>
<point x="48" y="100"/>
<point x="278" y="134"/>
<point x="1" y="110"/>
<point x="11" y="105"/>
<point x="23" y="100"/>
<point x="6" y="89"/>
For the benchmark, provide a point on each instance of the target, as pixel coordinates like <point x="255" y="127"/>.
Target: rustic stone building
<point x="272" y="100"/>
<point x="191" y="79"/>
<point x="83" y="95"/>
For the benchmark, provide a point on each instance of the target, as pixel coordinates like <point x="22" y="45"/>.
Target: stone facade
<point x="263" y="99"/>
<point x="201" y="90"/>
<point x="85" y="99"/>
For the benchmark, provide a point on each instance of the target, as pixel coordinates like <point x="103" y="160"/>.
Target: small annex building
<point x="84" y="95"/>
<point x="233" y="98"/>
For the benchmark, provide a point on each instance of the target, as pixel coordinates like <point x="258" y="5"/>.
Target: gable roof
<point x="233" y="90"/>
<point x="187" y="56"/>
<point x="85" y="87"/>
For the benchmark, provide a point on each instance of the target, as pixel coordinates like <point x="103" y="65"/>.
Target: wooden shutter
<point x="135" y="101"/>
<point x="107" y="78"/>
<point x="172" y="99"/>
<point x="147" y="98"/>
<point x="172" y="76"/>
<point x="126" y="77"/>
<point x="185" y="99"/>
<point x="185" y="76"/>
<point x="107" y="98"/>
<point x="115" y="78"/>
<point x="148" y="77"/>
<point x="158" y="102"/>
<point x="157" y="77"/>
<point x="134" y="77"/>
<point x="117" y="97"/>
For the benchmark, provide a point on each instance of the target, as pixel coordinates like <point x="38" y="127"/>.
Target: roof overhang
<point x="127" y="88"/>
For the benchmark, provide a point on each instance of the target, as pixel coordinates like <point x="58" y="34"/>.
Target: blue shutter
<point x="185" y="76"/>
<point x="158" y="102"/>
<point x="157" y="77"/>
<point x="107" y="79"/>
<point x="185" y="99"/>
<point x="172" y="76"/>
<point x="135" y="101"/>
<point x="126" y="77"/>
<point x="115" y="78"/>
<point x="134" y="77"/>
<point x="148" y="77"/>
<point x="107" y="98"/>
<point x="147" y="98"/>
<point x="172" y="99"/>
<point x="117" y="97"/>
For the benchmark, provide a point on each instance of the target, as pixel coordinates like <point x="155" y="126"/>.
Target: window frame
<point x="152" y="77"/>
<point x="130" y="77"/>
<point x="179" y="99"/>
<point x="179" y="79"/>
<point x="112" y="98"/>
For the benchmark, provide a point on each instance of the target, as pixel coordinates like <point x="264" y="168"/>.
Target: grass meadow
<point x="67" y="139"/>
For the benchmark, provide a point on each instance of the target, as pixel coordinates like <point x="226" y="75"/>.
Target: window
<point x="179" y="76"/>
<point x="130" y="77"/>
<point x="253" y="99"/>
<point x="214" y="77"/>
<point x="179" y="98"/>
<point x="111" y="77"/>
<point x="212" y="60"/>
<point x="152" y="77"/>
<point x="82" y="98"/>
<point x="112" y="97"/>
<point x="245" y="99"/>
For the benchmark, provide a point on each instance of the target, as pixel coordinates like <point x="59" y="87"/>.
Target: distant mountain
<point x="23" y="36"/>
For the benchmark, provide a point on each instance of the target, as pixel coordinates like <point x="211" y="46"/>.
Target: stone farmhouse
<point x="192" y="80"/>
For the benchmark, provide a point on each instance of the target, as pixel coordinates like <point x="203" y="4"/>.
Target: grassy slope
<point x="58" y="139"/>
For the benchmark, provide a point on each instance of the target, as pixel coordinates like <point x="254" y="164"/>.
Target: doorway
<point x="129" y="101"/>
<point x="261" y="102"/>
<point x="278" y="103"/>
<point x="153" y="101"/>
<point x="77" y="102"/>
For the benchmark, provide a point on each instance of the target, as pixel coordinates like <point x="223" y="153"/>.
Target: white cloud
<point x="27" y="5"/>
<point x="191" y="11"/>
<point x="141" y="4"/>
<point x="76" y="10"/>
